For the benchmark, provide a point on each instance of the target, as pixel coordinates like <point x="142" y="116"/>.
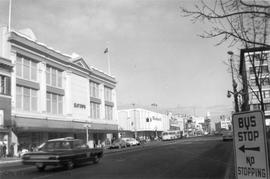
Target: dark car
<point x="65" y="152"/>
<point x="119" y="143"/>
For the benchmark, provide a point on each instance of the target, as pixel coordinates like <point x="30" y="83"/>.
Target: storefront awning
<point x="47" y="125"/>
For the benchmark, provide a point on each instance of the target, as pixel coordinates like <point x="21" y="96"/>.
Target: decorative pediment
<point x="80" y="62"/>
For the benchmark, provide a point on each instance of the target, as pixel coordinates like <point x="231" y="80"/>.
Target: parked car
<point x="22" y="152"/>
<point x="119" y="143"/>
<point x="141" y="140"/>
<point x="65" y="152"/>
<point x="131" y="141"/>
<point x="227" y="135"/>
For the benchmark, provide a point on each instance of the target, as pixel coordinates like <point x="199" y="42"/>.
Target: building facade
<point x="142" y="123"/>
<point x="6" y="68"/>
<point x="55" y="94"/>
<point x="250" y="91"/>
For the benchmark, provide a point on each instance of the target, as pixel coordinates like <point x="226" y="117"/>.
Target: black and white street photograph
<point x="134" y="89"/>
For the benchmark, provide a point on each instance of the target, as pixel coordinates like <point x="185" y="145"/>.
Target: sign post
<point x="250" y="145"/>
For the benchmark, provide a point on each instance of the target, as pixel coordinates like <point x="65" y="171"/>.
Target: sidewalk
<point x="9" y="160"/>
<point x="17" y="160"/>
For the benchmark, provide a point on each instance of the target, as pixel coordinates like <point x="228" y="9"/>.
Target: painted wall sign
<point x="250" y="146"/>
<point x="77" y="105"/>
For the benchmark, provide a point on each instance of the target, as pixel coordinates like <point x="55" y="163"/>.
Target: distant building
<point x="54" y="94"/>
<point x="6" y="68"/>
<point x="138" y="122"/>
<point x="225" y="123"/>
<point x="250" y="89"/>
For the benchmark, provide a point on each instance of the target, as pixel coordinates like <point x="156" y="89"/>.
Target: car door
<point x="81" y="151"/>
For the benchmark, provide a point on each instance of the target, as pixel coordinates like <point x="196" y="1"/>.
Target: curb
<point x="106" y="151"/>
<point x="10" y="162"/>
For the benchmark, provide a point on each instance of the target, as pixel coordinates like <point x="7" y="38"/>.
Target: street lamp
<point x="234" y="85"/>
<point x="135" y="122"/>
<point x="87" y="126"/>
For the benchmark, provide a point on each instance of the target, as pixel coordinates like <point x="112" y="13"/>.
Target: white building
<point x="55" y="94"/>
<point x="250" y="91"/>
<point x="138" y="122"/>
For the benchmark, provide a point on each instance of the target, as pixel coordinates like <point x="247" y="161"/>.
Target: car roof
<point x="63" y="139"/>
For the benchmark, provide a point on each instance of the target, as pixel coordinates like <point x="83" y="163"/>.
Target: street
<point x="201" y="157"/>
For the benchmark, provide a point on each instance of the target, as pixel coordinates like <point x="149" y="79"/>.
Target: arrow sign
<point x="243" y="148"/>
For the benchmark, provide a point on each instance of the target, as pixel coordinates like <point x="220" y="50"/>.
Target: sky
<point x="155" y="53"/>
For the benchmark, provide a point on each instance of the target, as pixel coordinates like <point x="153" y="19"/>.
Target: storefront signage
<point x="250" y="147"/>
<point x="156" y="119"/>
<point x="77" y="105"/>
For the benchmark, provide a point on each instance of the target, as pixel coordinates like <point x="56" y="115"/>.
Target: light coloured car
<point x="119" y="143"/>
<point x="131" y="141"/>
<point x="227" y="135"/>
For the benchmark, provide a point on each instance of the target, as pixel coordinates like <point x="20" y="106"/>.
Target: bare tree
<point x="241" y="23"/>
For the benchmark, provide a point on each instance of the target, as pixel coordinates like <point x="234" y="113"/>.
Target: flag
<point x="106" y="50"/>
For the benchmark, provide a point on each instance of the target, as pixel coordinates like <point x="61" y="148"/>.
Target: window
<point x="94" y="88"/>
<point x="5" y="85"/>
<point x="34" y="71"/>
<point x="108" y="112"/>
<point x="33" y="100"/>
<point x="19" y="97"/>
<point x="26" y="99"/>
<point x="252" y="82"/>
<point x="19" y="67"/>
<point x="94" y="110"/>
<point x="267" y="107"/>
<point x="265" y="81"/>
<point x="255" y="94"/>
<point x="107" y="94"/>
<point x="54" y="103"/>
<point x="266" y="94"/>
<point x="53" y="77"/>
<point x="256" y="106"/>
<point x="26" y="68"/>
<point x="49" y="102"/>
<point x="48" y="77"/>
<point x="60" y="104"/>
<point x="259" y="70"/>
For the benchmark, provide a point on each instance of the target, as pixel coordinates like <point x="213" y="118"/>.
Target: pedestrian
<point x="4" y="151"/>
<point x="1" y="149"/>
<point x="11" y="150"/>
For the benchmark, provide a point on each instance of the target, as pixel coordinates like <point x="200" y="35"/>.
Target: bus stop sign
<point x="250" y="146"/>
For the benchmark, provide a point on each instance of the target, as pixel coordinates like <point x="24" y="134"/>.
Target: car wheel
<point x="69" y="165"/>
<point x="96" y="159"/>
<point x="41" y="168"/>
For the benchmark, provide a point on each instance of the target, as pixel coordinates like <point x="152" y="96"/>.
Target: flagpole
<point x="109" y="64"/>
<point x="9" y="16"/>
<point x="108" y="59"/>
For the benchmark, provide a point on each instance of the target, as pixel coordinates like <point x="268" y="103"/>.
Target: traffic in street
<point x="198" y="157"/>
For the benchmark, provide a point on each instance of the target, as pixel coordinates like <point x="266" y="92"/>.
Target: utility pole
<point x="234" y="85"/>
<point x="9" y="15"/>
<point x="135" y="122"/>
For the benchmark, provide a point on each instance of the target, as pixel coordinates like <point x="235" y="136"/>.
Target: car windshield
<point x="57" y="145"/>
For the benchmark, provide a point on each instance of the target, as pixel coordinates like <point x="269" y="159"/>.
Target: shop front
<point x="31" y="132"/>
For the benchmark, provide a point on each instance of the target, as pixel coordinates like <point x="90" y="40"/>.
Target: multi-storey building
<point x="56" y="95"/>
<point x="138" y="122"/>
<point x="5" y="101"/>
<point x="250" y="90"/>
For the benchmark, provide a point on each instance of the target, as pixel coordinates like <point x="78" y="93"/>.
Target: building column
<point x="42" y="95"/>
<point x="102" y="104"/>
